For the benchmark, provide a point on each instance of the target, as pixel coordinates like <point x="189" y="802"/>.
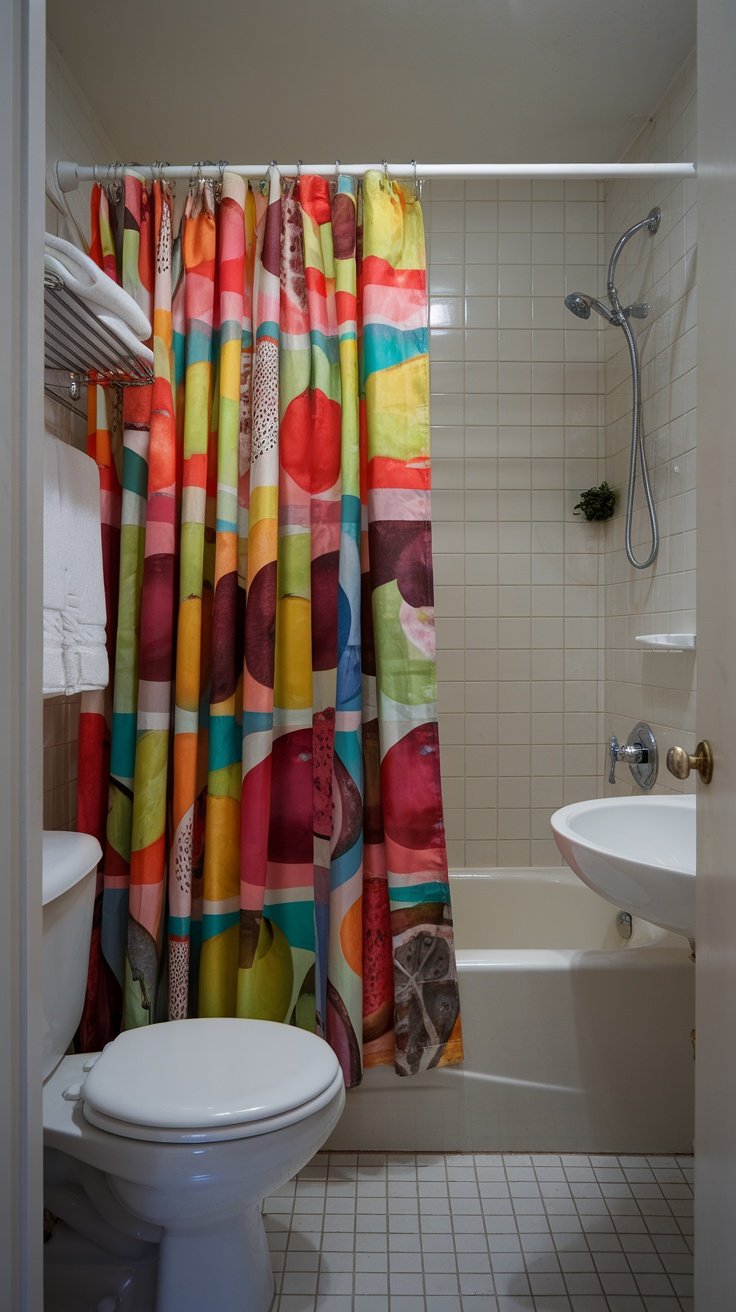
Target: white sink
<point x="637" y="852"/>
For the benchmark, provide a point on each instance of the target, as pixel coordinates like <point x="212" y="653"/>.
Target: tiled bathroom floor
<point x="405" y="1232"/>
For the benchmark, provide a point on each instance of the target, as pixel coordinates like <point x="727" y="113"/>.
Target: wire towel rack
<point x="80" y="350"/>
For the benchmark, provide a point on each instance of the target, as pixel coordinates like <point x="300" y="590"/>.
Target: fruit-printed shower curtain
<point x="264" y="773"/>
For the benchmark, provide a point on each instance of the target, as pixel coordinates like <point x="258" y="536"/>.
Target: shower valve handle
<point x="632" y="754"/>
<point x="639" y="753"/>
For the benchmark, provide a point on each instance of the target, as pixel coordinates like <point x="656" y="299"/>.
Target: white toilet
<point x="166" y="1143"/>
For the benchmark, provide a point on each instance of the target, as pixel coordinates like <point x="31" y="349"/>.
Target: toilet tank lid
<point x="67" y="858"/>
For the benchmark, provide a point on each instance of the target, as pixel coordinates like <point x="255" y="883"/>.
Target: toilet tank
<point x="69" y="878"/>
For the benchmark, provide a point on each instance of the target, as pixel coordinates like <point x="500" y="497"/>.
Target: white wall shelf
<point x="666" y="641"/>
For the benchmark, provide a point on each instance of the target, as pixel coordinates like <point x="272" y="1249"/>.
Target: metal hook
<point x="265" y="183"/>
<point x="337" y="169"/>
<point x="113" y="184"/>
<point x="417" y="181"/>
<point x="218" y="187"/>
<point x="299" y="169"/>
<point x="196" y="177"/>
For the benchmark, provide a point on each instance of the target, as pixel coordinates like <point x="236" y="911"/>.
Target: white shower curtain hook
<point x="299" y="169"/>
<point x="337" y="169"/>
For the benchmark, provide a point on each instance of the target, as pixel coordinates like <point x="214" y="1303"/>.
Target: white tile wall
<point x="657" y="687"/>
<point x="71" y="133"/>
<point x="537" y="611"/>
<point x="517" y="397"/>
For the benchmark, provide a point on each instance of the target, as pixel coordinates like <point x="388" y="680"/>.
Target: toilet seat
<point x="206" y="1080"/>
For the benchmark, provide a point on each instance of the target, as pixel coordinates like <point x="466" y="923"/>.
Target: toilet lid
<point x="207" y="1079"/>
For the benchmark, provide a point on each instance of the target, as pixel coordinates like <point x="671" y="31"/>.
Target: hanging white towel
<point x="54" y="573"/>
<point x="82" y="276"/>
<point x="74" y="594"/>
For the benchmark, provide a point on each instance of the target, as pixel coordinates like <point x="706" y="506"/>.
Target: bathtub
<point x="575" y="1039"/>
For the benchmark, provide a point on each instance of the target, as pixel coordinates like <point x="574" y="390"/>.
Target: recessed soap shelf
<point x="666" y="641"/>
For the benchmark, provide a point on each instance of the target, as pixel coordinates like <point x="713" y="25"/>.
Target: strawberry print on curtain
<point x="275" y="840"/>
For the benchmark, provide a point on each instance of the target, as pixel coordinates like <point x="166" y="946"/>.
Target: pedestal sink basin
<point x="637" y="852"/>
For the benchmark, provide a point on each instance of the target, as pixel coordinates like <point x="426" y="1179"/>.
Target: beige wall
<point x="71" y="133"/>
<point x="658" y="687"/>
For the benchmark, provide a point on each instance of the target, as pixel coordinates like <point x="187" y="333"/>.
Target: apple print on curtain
<point x="275" y="843"/>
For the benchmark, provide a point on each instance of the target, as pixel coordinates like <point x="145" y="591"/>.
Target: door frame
<point x="22" y="151"/>
<point x="715" y="1066"/>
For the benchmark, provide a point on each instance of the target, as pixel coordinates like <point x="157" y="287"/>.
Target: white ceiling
<point x="469" y="80"/>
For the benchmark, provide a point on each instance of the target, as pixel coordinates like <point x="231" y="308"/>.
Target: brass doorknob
<point x="680" y="762"/>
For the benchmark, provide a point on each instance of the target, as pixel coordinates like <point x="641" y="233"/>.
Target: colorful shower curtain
<point x="264" y="775"/>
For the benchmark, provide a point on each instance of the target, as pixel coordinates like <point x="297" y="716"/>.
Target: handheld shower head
<point x="581" y="304"/>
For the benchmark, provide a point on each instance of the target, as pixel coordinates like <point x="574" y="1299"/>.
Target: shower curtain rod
<point x="70" y="175"/>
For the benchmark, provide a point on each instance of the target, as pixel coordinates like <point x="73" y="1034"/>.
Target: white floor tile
<point x="517" y="1232"/>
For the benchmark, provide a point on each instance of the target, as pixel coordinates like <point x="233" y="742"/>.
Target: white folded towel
<point x="82" y="276"/>
<point x="54" y="573"/>
<point x="74" y="605"/>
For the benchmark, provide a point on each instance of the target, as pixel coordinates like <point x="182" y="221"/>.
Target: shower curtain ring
<point x="196" y="177"/>
<point x="417" y="181"/>
<point x="219" y="184"/>
<point x="299" y="169"/>
<point x="337" y="169"/>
